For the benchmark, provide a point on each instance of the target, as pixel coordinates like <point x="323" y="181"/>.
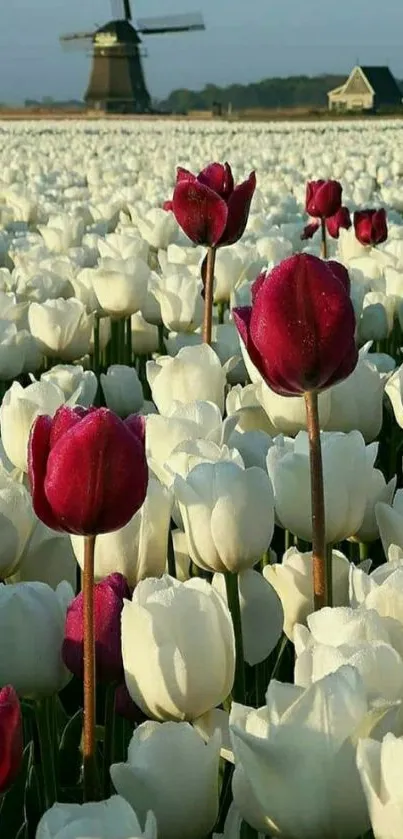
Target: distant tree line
<point x="291" y="92"/>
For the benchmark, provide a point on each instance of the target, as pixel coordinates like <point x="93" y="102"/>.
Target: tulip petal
<point x="238" y="211"/>
<point x="219" y="178"/>
<point x="38" y="451"/>
<point x="64" y="419"/>
<point x="184" y="175"/>
<point x="136" y="423"/>
<point x="200" y="212"/>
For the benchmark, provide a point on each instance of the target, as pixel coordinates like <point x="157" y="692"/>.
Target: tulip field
<point x="201" y="482"/>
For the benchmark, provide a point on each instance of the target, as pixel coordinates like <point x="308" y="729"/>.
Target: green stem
<point x="97" y="354"/>
<point x="323" y="249"/>
<point x="329" y="575"/>
<point x="45" y="732"/>
<point x="129" y="348"/>
<point x="208" y="296"/>
<point x="221" y="311"/>
<point x="364" y="549"/>
<point x="109" y="737"/>
<point x="231" y="585"/>
<point x="317" y="500"/>
<point x="161" y="344"/>
<point x="89" y="746"/>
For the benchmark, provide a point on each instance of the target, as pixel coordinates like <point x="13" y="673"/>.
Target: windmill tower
<point x="117" y="83"/>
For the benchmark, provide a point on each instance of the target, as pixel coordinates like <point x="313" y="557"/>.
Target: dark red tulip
<point x="310" y="230"/>
<point x="341" y="219"/>
<point x="323" y="198"/>
<point x="167" y="206"/>
<point x="11" y="741"/>
<point x="299" y="331"/>
<point x="108" y="605"/>
<point x="371" y="227"/>
<point x="87" y="469"/>
<point x="209" y="208"/>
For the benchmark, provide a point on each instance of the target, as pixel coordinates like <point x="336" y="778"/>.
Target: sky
<point x="244" y="41"/>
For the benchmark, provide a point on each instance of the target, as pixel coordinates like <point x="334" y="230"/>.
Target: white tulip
<point x="171" y="770"/>
<point x="192" y="421"/>
<point x="78" y="385"/>
<point x="376" y="321"/>
<point x="192" y="625"/>
<point x="122" y="390"/>
<point x="262" y="614"/>
<point x="357" y="402"/>
<point x="345" y="636"/>
<point x="179" y="296"/>
<point x="195" y="374"/>
<point x="389" y="519"/>
<point x="123" y="246"/>
<point x="347" y="466"/>
<point x="295" y="772"/>
<point x="378" y="492"/>
<point x="61" y="327"/>
<point x="252" y="446"/>
<point x="144" y="335"/>
<point x="32" y="618"/>
<point x="287" y="415"/>
<point x="19" y="409"/>
<point x="17" y="522"/>
<point x="228" y="515"/>
<point x="62" y="232"/>
<point x="110" y="819"/>
<point x="243" y="401"/>
<point x="48" y="558"/>
<point x="121" y="285"/>
<point x="139" y="549"/>
<point x="33" y="357"/>
<point x="12" y="355"/>
<point x="158" y="228"/>
<point x="292" y="580"/>
<point x="232" y="267"/>
<point x="394" y="390"/>
<point x="379" y="765"/>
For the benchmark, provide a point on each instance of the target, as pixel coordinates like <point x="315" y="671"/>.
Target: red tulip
<point x="310" y="230"/>
<point x="108" y="605"/>
<point x="209" y="208"/>
<point x="299" y="331"/>
<point x="87" y="469"/>
<point x="341" y="219"/>
<point x="11" y="742"/>
<point x="167" y="206"/>
<point x="371" y="226"/>
<point x="323" y="198"/>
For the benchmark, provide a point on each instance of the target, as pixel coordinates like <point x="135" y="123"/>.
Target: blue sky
<point x="245" y="40"/>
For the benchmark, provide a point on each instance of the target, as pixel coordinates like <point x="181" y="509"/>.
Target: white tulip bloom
<point x="122" y="390"/>
<point x="158" y="228"/>
<point x="376" y="321"/>
<point x="110" y="819"/>
<point x="144" y="335"/>
<point x="379" y="768"/>
<point x="78" y="385"/>
<point x="234" y="266"/>
<point x="357" y="402"/>
<point x="123" y="246"/>
<point x="295" y="771"/>
<point x="19" y="409"/>
<point x="292" y="580"/>
<point x="262" y="614"/>
<point x="192" y="625"/>
<point x="32" y="618"/>
<point x="286" y="414"/>
<point x="394" y="390"/>
<point x="347" y="466"/>
<point x="61" y="327"/>
<point x="17" y="522"/>
<point x="346" y="636"/>
<point x="378" y="492"/>
<point x="47" y="558"/>
<point x="181" y="303"/>
<point x="194" y="374"/>
<point x="121" y="285"/>
<point x="171" y="770"/>
<point x="389" y="519"/>
<point x="12" y="355"/>
<point x="139" y="549"/>
<point x="62" y="232"/>
<point x="228" y="515"/>
<point x="243" y="401"/>
<point x="192" y="421"/>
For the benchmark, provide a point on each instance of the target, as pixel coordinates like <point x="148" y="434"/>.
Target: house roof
<point x="384" y="84"/>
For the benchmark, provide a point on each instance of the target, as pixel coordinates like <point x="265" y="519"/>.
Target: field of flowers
<point x="201" y="483"/>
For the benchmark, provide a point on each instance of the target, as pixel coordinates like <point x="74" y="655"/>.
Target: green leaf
<point x="70" y="756"/>
<point x="33" y="803"/>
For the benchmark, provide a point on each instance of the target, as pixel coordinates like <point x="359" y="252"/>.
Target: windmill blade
<point x="77" y="40"/>
<point x="171" y="23"/>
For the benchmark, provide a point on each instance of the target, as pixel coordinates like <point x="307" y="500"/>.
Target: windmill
<point x="117" y="83"/>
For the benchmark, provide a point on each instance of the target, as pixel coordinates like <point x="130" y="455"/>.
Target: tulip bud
<point x="108" y="605"/>
<point x="11" y="743"/>
<point x="107" y="819"/>
<point x="341" y="219"/>
<point x="87" y="470"/>
<point x="292" y="332"/>
<point x="209" y="209"/>
<point x="323" y="198"/>
<point x="371" y="226"/>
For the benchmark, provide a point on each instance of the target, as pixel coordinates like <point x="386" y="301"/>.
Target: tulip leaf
<point x="32" y="801"/>
<point x="23" y="832"/>
<point x="12" y="818"/>
<point x="70" y="756"/>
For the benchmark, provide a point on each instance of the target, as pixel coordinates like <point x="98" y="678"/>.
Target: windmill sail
<point x="170" y="23"/>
